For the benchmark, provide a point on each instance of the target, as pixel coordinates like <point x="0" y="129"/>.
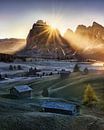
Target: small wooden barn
<point x="64" y="74"/>
<point x="61" y="107"/>
<point x="23" y="91"/>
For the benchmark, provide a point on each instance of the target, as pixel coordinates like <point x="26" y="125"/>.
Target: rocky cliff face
<point x="46" y="42"/>
<point x="95" y="33"/>
<point x="88" y="41"/>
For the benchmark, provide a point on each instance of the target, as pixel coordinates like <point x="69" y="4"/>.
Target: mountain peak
<point x="45" y="42"/>
<point x="95" y="24"/>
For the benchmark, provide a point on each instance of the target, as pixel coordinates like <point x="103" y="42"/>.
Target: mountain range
<point x="88" y="41"/>
<point x="44" y="42"/>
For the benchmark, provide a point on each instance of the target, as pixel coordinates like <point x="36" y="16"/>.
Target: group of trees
<point x="34" y="72"/>
<point x="11" y="67"/>
<point x="7" y="57"/>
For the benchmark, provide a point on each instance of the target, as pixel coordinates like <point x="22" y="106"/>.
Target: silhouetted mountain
<point x="45" y="42"/>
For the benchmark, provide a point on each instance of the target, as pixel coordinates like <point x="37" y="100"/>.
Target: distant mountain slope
<point x="12" y="45"/>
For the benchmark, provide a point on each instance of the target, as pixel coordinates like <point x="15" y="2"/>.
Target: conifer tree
<point x="90" y="96"/>
<point x="76" y="68"/>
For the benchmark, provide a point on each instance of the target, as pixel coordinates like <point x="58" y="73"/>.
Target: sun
<point x="54" y="25"/>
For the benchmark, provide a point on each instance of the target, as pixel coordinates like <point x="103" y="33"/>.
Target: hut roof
<point x="64" y="72"/>
<point x="23" y="88"/>
<point x="59" y="105"/>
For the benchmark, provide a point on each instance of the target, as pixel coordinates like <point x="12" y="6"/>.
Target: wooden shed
<point x="23" y="91"/>
<point x="64" y="74"/>
<point x="61" y="108"/>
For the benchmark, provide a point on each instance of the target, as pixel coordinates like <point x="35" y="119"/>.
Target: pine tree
<point x="14" y="67"/>
<point x="45" y="92"/>
<point x="10" y="67"/>
<point x="76" y="68"/>
<point x="90" y="96"/>
<point x="19" y="67"/>
<point x="85" y="70"/>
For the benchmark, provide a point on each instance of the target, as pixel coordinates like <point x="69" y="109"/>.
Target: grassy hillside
<point x="46" y="121"/>
<point x="25" y="114"/>
<point x="70" y="88"/>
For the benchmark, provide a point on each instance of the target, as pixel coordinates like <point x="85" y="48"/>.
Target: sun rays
<point x="52" y="38"/>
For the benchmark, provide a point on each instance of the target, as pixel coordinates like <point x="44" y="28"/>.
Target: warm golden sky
<point x="18" y="16"/>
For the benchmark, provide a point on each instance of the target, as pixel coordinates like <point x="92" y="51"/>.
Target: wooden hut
<point x="64" y="74"/>
<point x="61" y="107"/>
<point x="23" y="91"/>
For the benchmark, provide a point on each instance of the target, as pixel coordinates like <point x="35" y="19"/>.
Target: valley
<point x="28" y="110"/>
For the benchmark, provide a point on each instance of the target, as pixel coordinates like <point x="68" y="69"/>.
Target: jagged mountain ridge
<point x="85" y="42"/>
<point x="94" y="32"/>
<point x="46" y="43"/>
<point x="88" y="41"/>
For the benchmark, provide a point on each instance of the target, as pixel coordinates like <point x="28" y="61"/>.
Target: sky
<point x="18" y="16"/>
